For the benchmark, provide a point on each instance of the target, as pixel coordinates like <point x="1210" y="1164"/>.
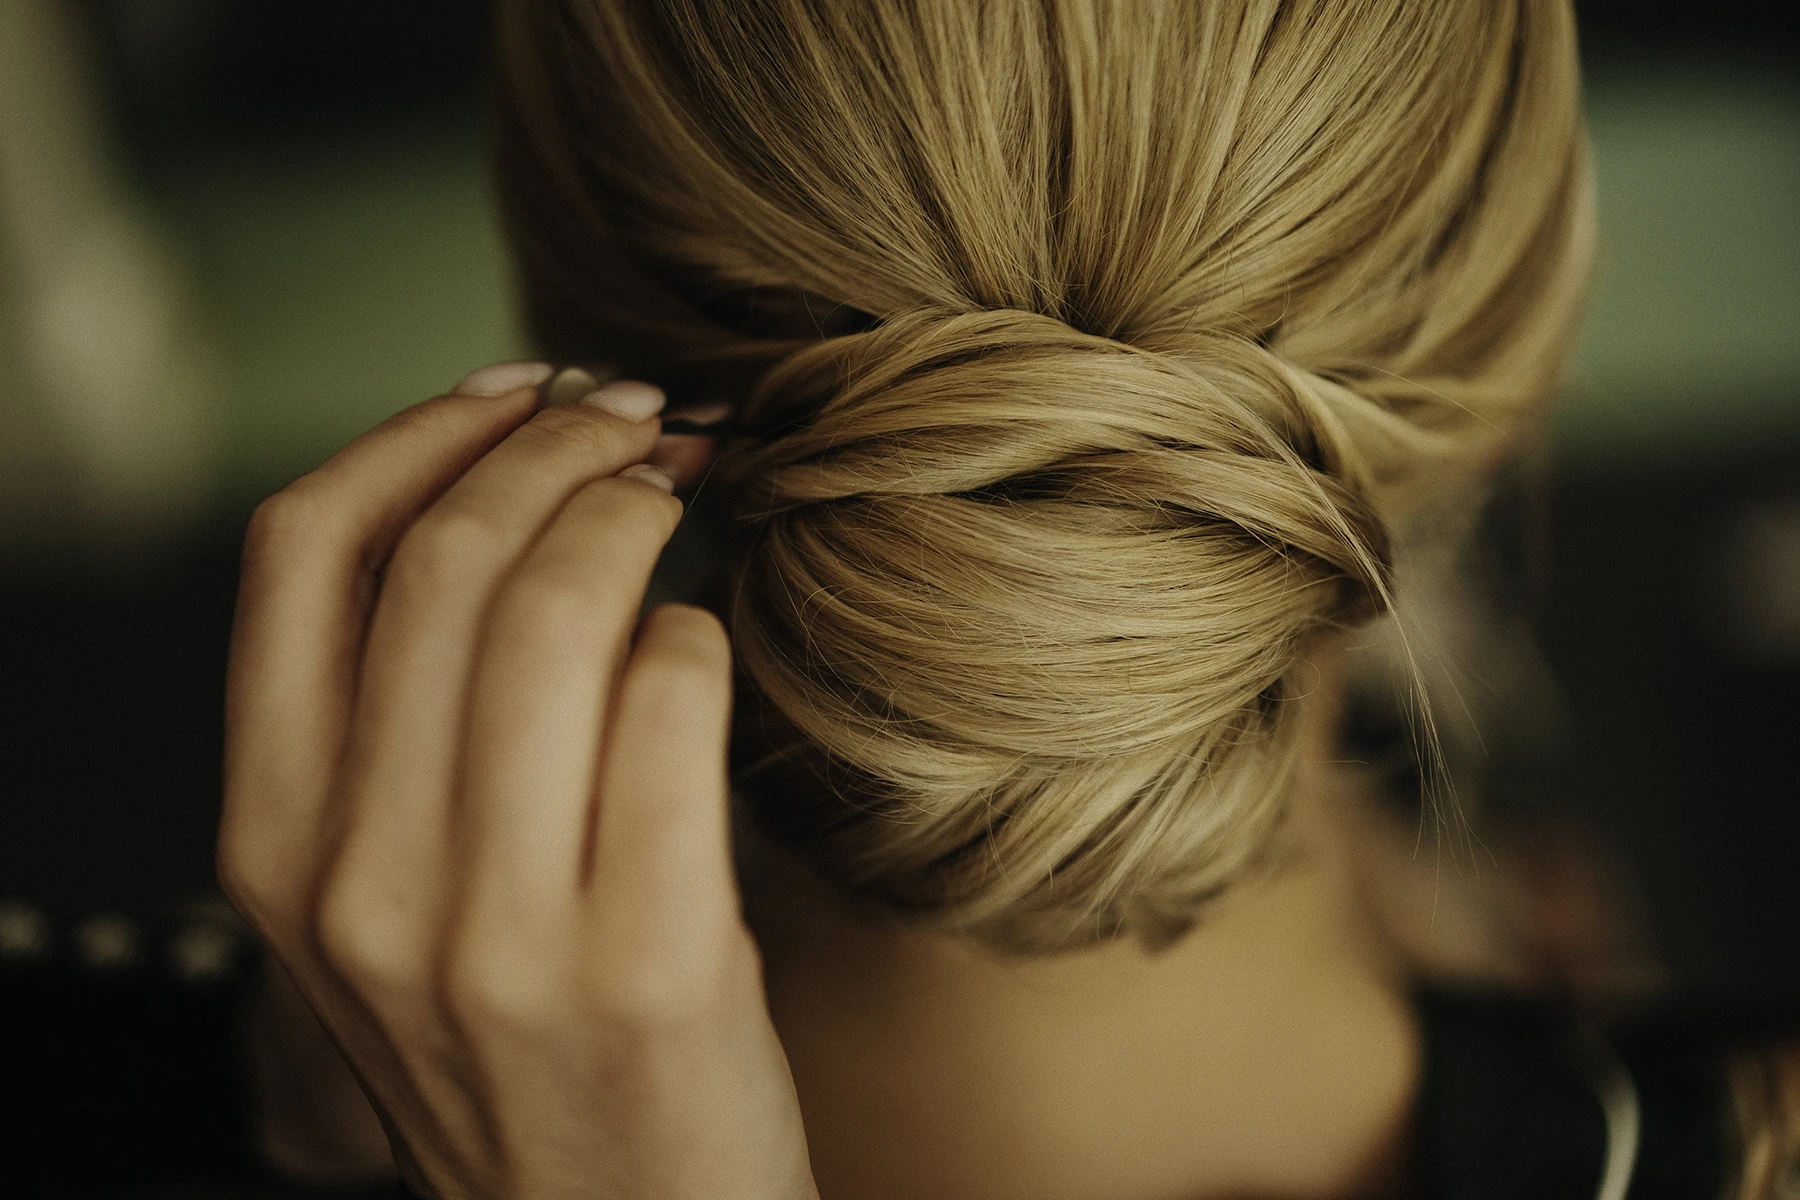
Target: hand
<point x="484" y="827"/>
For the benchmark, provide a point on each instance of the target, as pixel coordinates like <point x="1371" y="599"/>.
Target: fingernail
<point x="502" y="378"/>
<point x="569" y="386"/>
<point x="632" y="399"/>
<point x="645" y="473"/>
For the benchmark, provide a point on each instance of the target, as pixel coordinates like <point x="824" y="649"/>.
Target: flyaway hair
<point x="1104" y="346"/>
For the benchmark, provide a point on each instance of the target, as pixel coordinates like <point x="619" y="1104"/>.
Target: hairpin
<point x="570" y="384"/>
<point x="723" y="427"/>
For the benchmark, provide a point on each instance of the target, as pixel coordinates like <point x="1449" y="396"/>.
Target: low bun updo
<point x="1024" y="594"/>
<point x="1094" y="354"/>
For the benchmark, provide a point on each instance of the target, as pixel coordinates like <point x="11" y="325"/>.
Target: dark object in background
<point x="212" y="63"/>
<point x="1637" y="26"/>
<point x="112" y="716"/>
<point x="1674" y="628"/>
<point x="1513" y="1105"/>
<point x="215" y="65"/>
<point x="117" y="1079"/>
<point x="120" y="971"/>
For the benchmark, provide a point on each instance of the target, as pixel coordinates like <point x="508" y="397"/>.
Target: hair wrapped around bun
<point x="1174" y="312"/>
<point x="1035" y="603"/>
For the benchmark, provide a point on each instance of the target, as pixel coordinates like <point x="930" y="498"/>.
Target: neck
<point x="1269" y="1052"/>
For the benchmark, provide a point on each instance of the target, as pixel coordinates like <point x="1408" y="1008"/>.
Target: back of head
<point x="1101" y="347"/>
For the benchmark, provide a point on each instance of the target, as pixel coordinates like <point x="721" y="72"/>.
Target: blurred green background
<point x="1694" y="337"/>
<point x="346" y="277"/>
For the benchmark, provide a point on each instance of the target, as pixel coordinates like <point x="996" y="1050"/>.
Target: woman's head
<point x="1100" y="348"/>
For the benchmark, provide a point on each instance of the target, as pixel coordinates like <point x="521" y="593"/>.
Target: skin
<point x="478" y="813"/>
<point x="1271" y="1052"/>
<point x="479" y="816"/>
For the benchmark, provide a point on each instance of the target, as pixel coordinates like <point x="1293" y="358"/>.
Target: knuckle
<point x="237" y="868"/>
<point x="343" y="939"/>
<point x="687" y="662"/>
<point x="443" y="545"/>
<point x="264" y="880"/>
<point x="250" y="889"/>
<point x="364" y="937"/>
<point x="551" y="604"/>
<point x="640" y="515"/>
<point x="290" y="520"/>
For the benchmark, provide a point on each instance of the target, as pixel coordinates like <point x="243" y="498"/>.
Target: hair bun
<point x="1009" y="568"/>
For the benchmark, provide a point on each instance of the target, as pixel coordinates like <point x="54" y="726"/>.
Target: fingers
<point x="399" y="772"/>
<point x="463" y="728"/>
<point x="661" y="872"/>
<point x="308" y="582"/>
<point x="684" y="457"/>
<point x="553" y="643"/>
<point x="687" y="457"/>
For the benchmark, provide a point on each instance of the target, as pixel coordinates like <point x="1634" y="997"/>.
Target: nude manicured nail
<point x="502" y="378"/>
<point x="632" y="399"/>
<point x="569" y="386"/>
<point x="645" y="473"/>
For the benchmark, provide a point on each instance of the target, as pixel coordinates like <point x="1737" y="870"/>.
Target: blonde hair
<point x="1098" y="346"/>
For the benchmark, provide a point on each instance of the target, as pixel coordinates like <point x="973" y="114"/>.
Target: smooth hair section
<point x="1091" y="354"/>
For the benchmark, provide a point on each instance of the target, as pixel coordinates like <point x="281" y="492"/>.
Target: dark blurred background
<point x="233" y="236"/>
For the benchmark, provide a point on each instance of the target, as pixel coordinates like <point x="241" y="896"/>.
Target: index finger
<point x="311" y="557"/>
